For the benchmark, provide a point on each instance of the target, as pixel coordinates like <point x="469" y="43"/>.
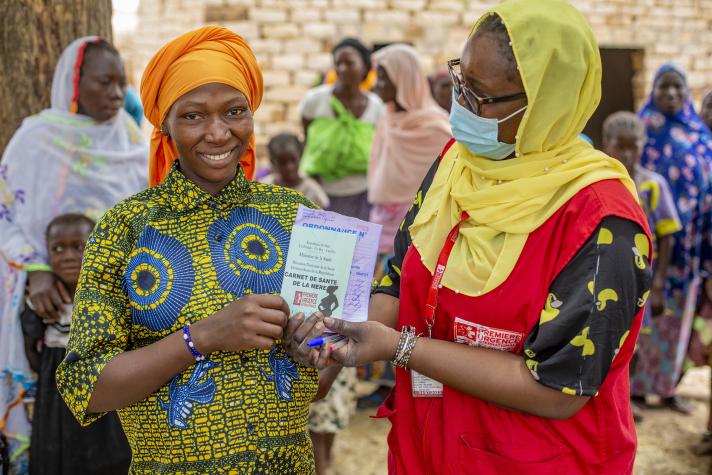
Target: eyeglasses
<point x="473" y="101"/>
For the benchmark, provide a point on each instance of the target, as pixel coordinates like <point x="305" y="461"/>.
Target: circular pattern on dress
<point x="158" y="280"/>
<point x="248" y="250"/>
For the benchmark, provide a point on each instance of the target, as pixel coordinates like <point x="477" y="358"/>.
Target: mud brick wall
<point x="292" y="38"/>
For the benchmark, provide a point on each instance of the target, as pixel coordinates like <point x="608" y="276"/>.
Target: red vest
<point x="461" y="434"/>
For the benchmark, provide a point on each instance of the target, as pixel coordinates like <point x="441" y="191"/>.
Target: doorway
<point x="620" y="66"/>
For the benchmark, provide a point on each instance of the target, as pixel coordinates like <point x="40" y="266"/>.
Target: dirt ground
<point x="665" y="439"/>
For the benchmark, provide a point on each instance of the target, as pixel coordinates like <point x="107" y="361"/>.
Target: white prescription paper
<point x="363" y="262"/>
<point x="317" y="271"/>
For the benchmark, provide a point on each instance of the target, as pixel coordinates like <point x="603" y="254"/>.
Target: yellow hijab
<point x="560" y="66"/>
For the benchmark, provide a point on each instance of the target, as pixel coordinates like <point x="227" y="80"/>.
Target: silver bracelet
<point x="406" y="344"/>
<point x="402" y="340"/>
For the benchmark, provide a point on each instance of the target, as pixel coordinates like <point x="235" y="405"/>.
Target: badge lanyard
<point x="431" y="302"/>
<point x="423" y="386"/>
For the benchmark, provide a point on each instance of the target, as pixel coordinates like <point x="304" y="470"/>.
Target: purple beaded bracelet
<point x="191" y="347"/>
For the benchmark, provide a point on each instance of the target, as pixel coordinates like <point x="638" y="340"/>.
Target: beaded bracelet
<point x="191" y="347"/>
<point x="406" y="344"/>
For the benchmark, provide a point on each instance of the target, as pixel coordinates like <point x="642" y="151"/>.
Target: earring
<point x="164" y="130"/>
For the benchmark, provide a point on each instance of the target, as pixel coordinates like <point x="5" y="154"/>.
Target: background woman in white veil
<point x="82" y="155"/>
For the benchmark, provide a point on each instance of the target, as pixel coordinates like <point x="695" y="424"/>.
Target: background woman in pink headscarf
<point x="412" y="131"/>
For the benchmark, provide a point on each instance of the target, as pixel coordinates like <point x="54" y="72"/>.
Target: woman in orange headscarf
<point x="175" y="321"/>
<point x="201" y="57"/>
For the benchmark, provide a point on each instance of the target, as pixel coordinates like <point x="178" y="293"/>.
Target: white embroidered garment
<point x="57" y="162"/>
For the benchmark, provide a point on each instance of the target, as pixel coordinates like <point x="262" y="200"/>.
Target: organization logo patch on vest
<point x="474" y="334"/>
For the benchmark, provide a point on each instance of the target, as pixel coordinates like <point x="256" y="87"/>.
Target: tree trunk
<point x="33" y="34"/>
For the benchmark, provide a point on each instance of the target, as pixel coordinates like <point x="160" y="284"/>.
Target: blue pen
<point x="325" y="339"/>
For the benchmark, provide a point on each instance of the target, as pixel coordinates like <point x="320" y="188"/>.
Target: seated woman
<point x="517" y="291"/>
<point x="174" y="325"/>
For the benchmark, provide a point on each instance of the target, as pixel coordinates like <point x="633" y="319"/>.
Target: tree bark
<point x="33" y="33"/>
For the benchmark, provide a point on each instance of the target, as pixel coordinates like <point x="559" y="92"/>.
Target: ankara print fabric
<point x="173" y="255"/>
<point x="590" y="309"/>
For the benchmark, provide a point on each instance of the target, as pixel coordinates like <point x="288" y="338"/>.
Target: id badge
<point x="424" y="386"/>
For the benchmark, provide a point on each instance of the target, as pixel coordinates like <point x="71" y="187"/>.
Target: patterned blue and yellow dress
<point x="174" y="254"/>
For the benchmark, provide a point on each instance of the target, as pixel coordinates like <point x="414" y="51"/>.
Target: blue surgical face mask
<point x="479" y="134"/>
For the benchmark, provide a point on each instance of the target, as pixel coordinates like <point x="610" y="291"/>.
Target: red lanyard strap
<point x="431" y="302"/>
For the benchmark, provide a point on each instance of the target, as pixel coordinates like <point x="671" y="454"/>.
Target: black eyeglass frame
<point x="461" y="88"/>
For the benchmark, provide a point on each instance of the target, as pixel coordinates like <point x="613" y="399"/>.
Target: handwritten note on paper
<point x="364" y="257"/>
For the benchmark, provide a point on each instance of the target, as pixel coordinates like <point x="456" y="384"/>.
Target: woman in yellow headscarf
<point x="514" y="300"/>
<point x="175" y="322"/>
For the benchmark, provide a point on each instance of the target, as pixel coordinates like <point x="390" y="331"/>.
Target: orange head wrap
<point x="206" y="55"/>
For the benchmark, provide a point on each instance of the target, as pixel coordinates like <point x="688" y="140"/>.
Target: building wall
<point x="292" y="38"/>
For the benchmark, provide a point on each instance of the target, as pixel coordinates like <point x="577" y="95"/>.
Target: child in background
<point x="624" y="139"/>
<point x="285" y="151"/>
<point x="59" y="445"/>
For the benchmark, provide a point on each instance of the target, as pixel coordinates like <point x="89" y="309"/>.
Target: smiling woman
<point x="175" y="325"/>
<point x="211" y="127"/>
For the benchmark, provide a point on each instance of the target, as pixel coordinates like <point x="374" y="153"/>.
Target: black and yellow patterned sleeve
<point x="390" y="283"/>
<point x="590" y="309"/>
<point x="101" y="321"/>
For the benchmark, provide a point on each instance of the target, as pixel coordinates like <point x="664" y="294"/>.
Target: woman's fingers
<point x="342" y="327"/>
<point x="270" y="330"/>
<point x="272" y="301"/>
<point x="323" y="359"/>
<point x="340" y="343"/>
<point x="292" y="326"/>
<point x="262" y="342"/>
<point x="308" y="328"/>
<point x="307" y="354"/>
<point x="273" y="316"/>
<point x="56" y="297"/>
<point x="317" y="331"/>
<point x="285" y="308"/>
<point x="63" y="292"/>
<point x="38" y="306"/>
<point x="57" y="303"/>
<point x="300" y="331"/>
<point x="340" y="354"/>
<point x="48" y="309"/>
<point x="300" y="353"/>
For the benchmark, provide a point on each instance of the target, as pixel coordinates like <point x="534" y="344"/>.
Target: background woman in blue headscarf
<point x="679" y="148"/>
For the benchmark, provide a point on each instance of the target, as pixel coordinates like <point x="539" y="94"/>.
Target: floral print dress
<point x="678" y="148"/>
